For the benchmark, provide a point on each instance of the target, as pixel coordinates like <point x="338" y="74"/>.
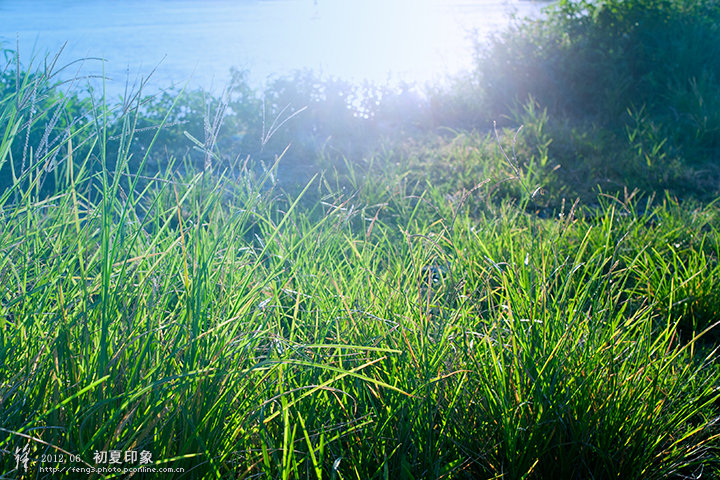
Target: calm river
<point x="199" y="41"/>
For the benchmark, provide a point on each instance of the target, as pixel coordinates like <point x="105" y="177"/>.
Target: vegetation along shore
<point x="513" y="275"/>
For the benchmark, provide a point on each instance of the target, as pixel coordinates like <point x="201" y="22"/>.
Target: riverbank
<point x="438" y="298"/>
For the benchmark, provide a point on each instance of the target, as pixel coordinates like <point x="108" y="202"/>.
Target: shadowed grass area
<point x="620" y="93"/>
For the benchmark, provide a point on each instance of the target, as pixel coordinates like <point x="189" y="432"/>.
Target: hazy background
<point x="376" y="40"/>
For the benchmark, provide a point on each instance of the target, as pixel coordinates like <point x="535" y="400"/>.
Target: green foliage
<point x="629" y="89"/>
<point x="601" y="57"/>
<point x="38" y="123"/>
<point x="427" y="307"/>
<point x="197" y="126"/>
<point x="610" y="95"/>
<point x="401" y="327"/>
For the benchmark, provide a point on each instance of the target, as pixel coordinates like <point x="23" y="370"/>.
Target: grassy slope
<point x="233" y="330"/>
<point x="410" y="316"/>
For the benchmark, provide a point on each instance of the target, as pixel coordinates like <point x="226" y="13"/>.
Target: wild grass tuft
<point x="385" y="321"/>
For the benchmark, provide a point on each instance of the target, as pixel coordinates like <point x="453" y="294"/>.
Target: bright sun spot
<point x="411" y="39"/>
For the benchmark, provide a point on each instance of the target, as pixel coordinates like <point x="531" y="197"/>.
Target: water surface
<point x="198" y="42"/>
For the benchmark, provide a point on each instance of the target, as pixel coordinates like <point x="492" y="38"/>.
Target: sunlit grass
<point x="384" y="330"/>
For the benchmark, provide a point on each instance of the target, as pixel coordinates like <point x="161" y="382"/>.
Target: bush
<point x="630" y="91"/>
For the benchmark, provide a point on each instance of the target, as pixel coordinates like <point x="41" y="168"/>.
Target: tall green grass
<point x="383" y="330"/>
